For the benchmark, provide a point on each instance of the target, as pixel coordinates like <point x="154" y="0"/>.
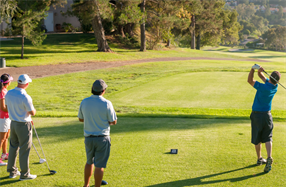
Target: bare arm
<point x="81" y="120"/>
<point x="250" y="79"/>
<point x="32" y="113"/>
<point x="113" y="123"/>
<point x="261" y="75"/>
<point x="3" y="106"/>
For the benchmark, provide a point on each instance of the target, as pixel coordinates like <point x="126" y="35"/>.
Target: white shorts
<point x="5" y="124"/>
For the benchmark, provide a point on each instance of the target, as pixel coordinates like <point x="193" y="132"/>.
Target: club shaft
<point x="41" y="146"/>
<point x="274" y="79"/>
<point x="36" y="150"/>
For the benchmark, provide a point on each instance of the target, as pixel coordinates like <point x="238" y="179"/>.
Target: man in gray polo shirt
<point x="98" y="114"/>
<point x="20" y="108"/>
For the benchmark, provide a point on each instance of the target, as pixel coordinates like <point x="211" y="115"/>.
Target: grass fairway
<point x="271" y="56"/>
<point x="198" y="87"/>
<point x="212" y="152"/>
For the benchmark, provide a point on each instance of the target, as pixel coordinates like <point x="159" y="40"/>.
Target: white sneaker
<point x="2" y="163"/>
<point x="29" y="177"/>
<point x="15" y="175"/>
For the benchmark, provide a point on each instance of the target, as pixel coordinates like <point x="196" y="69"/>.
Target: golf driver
<point x="271" y="77"/>
<point x="41" y="159"/>
<point x="51" y="171"/>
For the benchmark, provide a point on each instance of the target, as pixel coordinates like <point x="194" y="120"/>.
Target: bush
<point x="68" y="27"/>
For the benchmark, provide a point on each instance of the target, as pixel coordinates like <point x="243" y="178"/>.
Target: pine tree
<point x="7" y="9"/>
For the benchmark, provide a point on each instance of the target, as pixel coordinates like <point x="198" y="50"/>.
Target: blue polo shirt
<point x="264" y="95"/>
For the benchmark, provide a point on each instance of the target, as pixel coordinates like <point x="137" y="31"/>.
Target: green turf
<point x="211" y="152"/>
<point x="77" y="48"/>
<point x="196" y="87"/>
<point x="271" y="56"/>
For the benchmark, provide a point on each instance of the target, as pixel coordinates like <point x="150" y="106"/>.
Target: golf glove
<point x="256" y="66"/>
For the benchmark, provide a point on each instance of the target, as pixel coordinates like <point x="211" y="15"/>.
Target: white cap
<point x="24" y="79"/>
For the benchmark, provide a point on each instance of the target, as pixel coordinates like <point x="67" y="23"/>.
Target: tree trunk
<point x="193" y="37"/>
<point x="121" y="31"/>
<point x="99" y="32"/>
<point x="198" y="46"/>
<point x="168" y="43"/>
<point x="22" y="51"/>
<point x="142" y="28"/>
<point x="129" y="29"/>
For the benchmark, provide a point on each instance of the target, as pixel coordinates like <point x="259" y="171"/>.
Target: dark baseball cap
<point x="99" y="85"/>
<point x="276" y="75"/>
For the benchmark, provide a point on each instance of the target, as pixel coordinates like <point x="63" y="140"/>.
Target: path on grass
<point x="50" y="70"/>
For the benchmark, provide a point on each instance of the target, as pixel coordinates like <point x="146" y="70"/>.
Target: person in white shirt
<point x="20" y="108"/>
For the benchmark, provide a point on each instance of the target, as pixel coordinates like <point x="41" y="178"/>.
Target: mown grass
<point x="212" y="152"/>
<point x="271" y="56"/>
<point x="77" y="48"/>
<point x="193" y="88"/>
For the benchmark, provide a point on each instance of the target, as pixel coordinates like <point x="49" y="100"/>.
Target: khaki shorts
<point x="5" y="124"/>
<point x="97" y="150"/>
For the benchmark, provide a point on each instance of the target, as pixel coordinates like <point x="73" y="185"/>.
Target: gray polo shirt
<point x="97" y="112"/>
<point x="19" y="103"/>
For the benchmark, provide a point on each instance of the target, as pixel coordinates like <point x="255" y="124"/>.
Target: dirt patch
<point x="50" y="70"/>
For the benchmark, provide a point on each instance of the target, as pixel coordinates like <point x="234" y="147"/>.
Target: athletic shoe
<point x="268" y="166"/>
<point x="5" y="156"/>
<point x="2" y="163"/>
<point x="29" y="177"/>
<point x="104" y="182"/>
<point x="261" y="161"/>
<point x="15" y="175"/>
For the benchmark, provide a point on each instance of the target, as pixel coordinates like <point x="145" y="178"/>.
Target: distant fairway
<point x="271" y="56"/>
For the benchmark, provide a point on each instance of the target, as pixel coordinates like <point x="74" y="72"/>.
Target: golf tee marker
<point x="174" y="151"/>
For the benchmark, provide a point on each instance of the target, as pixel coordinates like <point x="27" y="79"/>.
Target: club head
<point x="52" y="172"/>
<point x="42" y="160"/>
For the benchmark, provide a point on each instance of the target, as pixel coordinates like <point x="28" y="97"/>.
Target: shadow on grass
<point x="199" y="180"/>
<point x="74" y="130"/>
<point x="9" y="182"/>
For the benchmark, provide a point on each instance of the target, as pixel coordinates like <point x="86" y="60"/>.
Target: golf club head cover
<point x="256" y="66"/>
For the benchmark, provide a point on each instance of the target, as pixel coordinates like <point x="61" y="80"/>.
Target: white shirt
<point x="97" y="112"/>
<point x="19" y="103"/>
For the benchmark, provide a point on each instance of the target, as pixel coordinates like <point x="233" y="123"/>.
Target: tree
<point x="27" y="20"/>
<point x="127" y="14"/>
<point x="275" y="37"/>
<point x="142" y="27"/>
<point x="280" y="12"/>
<point x="92" y="12"/>
<point x="231" y="27"/>
<point x="7" y="9"/>
<point x="260" y="23"/>
<point x="162" y="17"/>
<point x="267" y="11"/>
<point x="245" y="11"/>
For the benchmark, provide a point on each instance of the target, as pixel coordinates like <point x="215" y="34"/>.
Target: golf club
<point x="41" y="160"/>
<point x="272" y="77"/>
<point x="51" y="171"/>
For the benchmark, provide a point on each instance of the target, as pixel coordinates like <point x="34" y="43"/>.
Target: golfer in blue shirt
<point x="98" y="114"/>
<point x="261" y="118"/>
